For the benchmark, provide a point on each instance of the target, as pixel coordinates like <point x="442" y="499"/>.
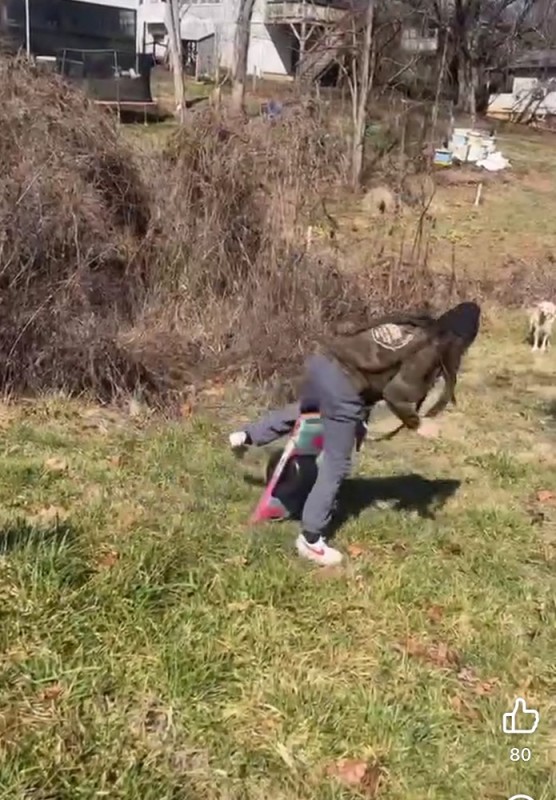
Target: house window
<point x="419" y="38"/>
<point x="127" y="22"/>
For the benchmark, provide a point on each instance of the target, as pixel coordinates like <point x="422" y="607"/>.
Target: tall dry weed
<point x="230" y="231"/>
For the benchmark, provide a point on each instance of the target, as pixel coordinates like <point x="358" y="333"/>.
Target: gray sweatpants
<point x="328" y="388"/>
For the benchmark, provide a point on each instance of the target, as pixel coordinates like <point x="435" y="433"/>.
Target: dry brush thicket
<point x="122" y="271"/>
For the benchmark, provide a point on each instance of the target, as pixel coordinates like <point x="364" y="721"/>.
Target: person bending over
<point x="396" y="358"/>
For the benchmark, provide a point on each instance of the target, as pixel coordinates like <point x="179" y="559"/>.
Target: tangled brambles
<point x="73" y="217"/>
<point x="110" y="287"/>
<point x="127" y="272"/>
<point x="232" y="246"/>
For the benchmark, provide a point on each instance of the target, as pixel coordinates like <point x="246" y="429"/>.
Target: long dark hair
<point x="456" y="330"/>
<point x="452" y="350"/>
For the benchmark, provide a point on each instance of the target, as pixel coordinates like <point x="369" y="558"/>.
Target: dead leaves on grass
<point x="56" y="464"/>
<point x="48" y="517"/>
<point x="323" y="574"/>
<point x="452" y="548"/>
<point x="435" y="613"/>
<point x="127" y="517"/>
<point x="469" y="678"/>
<point x="546" y="497"/>
<point x="51" y="693"/>
<point x="107" y="559"/>
<point x="236" y="561"/>
<point x="443" y="657"/>
<point x="400" y="549"/>
<point x="438" y="654"/>
<point x="471" y="682"/>
<point x="364" y="776"/>
<point x="541" y="506"/>
<point x="463" y="709"/>
<point x="240" y="606"/>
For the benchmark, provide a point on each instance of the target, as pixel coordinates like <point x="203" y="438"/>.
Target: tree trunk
<point x="243" y="35"/>
<point x="466" y="90"/>
<point x="361" y="95"/>
<point x="176" y="58"/>
<point x="473" y="88"/>
<point x="468" y="77"/>
<point x="439" y="85"/>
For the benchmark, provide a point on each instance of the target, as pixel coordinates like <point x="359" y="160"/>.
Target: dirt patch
<point x="538" y="182"/>
<point x="467" y="175"/>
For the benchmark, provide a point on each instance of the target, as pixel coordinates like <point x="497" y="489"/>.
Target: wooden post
<point x="303" y="31"/>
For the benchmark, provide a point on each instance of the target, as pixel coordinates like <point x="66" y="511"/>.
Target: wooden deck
<point x="296" y="13"/>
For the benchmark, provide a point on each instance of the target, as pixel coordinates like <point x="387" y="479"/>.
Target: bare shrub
<point x="231" y="233"/>
<point x="108" y="287"/>
<point x="73" y="216"/>
<point x="525" y="283"/>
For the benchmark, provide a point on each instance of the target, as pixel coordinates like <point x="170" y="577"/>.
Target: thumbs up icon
<point x="521" y="797"/>
<point x="520" y="719"/>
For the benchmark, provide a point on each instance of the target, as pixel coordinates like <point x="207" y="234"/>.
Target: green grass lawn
<point x="154" y="646"/>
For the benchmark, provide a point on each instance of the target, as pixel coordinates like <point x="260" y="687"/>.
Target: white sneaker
<point x="319" y="552"/>
<point x="238" y="442"/>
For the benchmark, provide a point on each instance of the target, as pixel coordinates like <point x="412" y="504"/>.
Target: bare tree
<point x="543" y="24"/>
<point x="481" y="35"/>
<point x="176" y="56"/>
<point x="364" y="45"/>
<point x="241" y="51"/>
<point x="350" y="45"/>
<point x="439" y="85"/>
<point x="360" y="87"/>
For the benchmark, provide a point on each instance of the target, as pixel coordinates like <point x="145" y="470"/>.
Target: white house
<point x="276" y="29"/>
<point x="288" y="37"/>
<point x="533" y="94"/>
<point x="282" y="33"/>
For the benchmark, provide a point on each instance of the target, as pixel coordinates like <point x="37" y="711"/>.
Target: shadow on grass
<point x="20" y="534"/>
<point x="411" y="492"/>
<point x="551" y="410"/>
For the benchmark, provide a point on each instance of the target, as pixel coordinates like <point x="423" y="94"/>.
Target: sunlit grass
<point x="154" y="646"/>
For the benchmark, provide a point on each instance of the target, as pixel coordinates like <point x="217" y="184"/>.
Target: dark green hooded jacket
<point x="399" y="358"/>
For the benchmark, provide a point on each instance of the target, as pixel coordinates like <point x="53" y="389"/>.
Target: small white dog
<point x="541" y="322"/>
